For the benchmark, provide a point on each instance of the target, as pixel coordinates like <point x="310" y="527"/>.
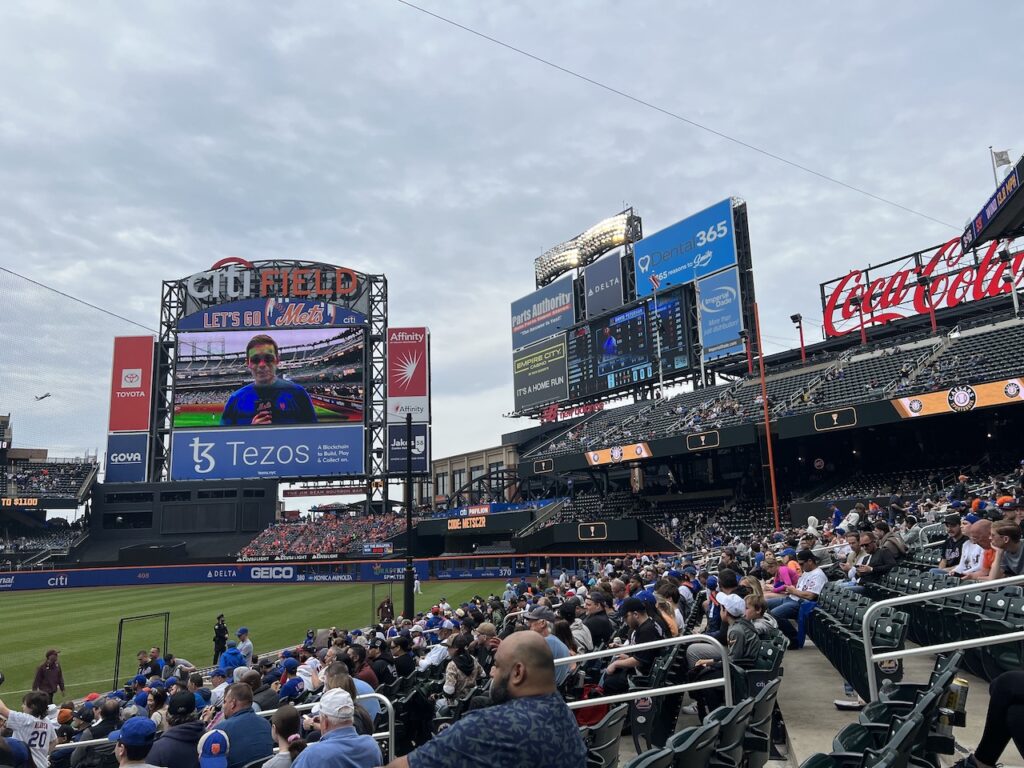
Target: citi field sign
<point x="234" y="278"/>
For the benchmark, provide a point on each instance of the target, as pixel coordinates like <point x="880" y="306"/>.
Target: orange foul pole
<point x="767" y="426"/>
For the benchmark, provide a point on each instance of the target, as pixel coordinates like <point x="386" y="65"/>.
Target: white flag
<point x="1001" y="157"/>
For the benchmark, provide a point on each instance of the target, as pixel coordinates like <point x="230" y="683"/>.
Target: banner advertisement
<point x="284" y="452"/>
<point x="203" y="574"/>
<point x="998" y="202"/>
<point x="399" y="453"/>
<point x="721" y="314"/>
<point x="689" y="249"/>
<point x="270" y="313"/>
<point x="619" y="453"/>
<point x="326" y="490"/>
<point x="543" y="313"/>
<point x="131" y="386"/>
<point x="602" y="282"/>
<point x="961" y="399"/>
<point x="933" y="279"/>
<point x="539" y="374"/>
<point x="379" y="548"/>
<point x="493" y="572"/>
<point x="127" y="455"/>
<point x="408" y="354"/>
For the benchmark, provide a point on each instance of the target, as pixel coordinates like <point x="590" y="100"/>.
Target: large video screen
<point x="620" y="350"/>
<point x="250" y="378"/>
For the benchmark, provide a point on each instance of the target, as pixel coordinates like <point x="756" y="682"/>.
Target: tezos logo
<point x="1012" y="389"/>
<point x="131" y="378"/>
<point x="962" y="399"/>
<point x="721" y="299"/>
<point x="272" y="572"/>
<point x="126" y="458"/>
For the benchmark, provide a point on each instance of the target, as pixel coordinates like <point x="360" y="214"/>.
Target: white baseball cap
<point x="337" y="704"/>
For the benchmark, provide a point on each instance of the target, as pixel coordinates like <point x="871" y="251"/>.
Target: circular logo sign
<point x="916" y="406"/>
<point x="616" y="453"/>
<point x="819" y="463"/>
<point x="962" y="399"/>
<point x="1012" y="389"/>
<point x="595" y="457"/>
<point x="639" y="450"/>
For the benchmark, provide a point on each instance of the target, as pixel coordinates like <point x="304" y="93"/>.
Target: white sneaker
<point x="850" y="705"/>
<point x="690" y="709"/>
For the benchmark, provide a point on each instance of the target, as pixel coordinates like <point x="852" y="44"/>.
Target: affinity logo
<point x="131" y="378"/>
<point x="405" y="367"/>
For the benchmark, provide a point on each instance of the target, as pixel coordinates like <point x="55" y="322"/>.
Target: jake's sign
<point x="933" y="279"/>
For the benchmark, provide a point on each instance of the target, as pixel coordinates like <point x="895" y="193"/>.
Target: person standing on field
<point x="220" y="638"/>
<point x="49" y="676"/>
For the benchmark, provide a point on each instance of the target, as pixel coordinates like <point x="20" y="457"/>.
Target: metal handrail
<point x="725" y="680"/>
<point x="389" y="734"/>
<point x="870" y="657"/>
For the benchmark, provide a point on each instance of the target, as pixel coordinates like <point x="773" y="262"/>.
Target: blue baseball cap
<point x="712" y="582"/>
<point x="789" y="552"/>
<point x="213" y="749"/>
<point x="19" y="752"/>
<point x="139" y="679"/>
<point x="171" y="681"/>
<point x="956" y="505"/>
<point x="242" y="631"/>
<point x="290" y="664"/>
<point x="135" y="732"/>
<point x="970" y="517"/>
<point x="141" y="699"/>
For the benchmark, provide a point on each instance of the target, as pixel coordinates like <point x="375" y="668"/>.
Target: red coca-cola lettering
<point x="952" y="280"/>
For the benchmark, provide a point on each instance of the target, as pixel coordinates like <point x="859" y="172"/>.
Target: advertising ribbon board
<point x="697" y="246"/>
<point x="961" y="398"/>
<point x="618" y="454"/>
<point x="131" y="386"/>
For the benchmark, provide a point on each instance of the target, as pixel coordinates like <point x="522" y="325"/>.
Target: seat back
<point x="655" y="758"/>
<point x="734" y="721"/>
<point x="694" y="746"/>
<point x="604" y="738"/>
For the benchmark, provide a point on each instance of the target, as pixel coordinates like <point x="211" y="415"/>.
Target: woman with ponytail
<point x="284" y="726"/>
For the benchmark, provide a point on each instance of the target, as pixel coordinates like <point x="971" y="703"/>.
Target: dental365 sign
<point x="692" y="248"/>
<point x="268" y="452"/>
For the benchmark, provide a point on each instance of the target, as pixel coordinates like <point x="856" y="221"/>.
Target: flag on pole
<point x="1001" y="157"/>
<point x="655" y="281"/>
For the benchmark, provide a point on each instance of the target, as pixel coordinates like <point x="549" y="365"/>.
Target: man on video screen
<point x="269" y="399"/>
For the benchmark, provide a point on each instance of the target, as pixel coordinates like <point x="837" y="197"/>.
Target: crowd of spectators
<point x="48" y="479"/>
<point x="324" y="533"/>
<point x="53" y="538"/>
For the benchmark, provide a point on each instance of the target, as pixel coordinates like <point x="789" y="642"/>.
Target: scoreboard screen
<point x="619" y="350"/>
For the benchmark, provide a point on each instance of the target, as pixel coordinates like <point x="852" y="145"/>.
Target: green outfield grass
<point x="82" y="623"/>
<point x="199" y="419"/>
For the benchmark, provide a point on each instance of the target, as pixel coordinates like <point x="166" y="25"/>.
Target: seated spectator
<point x="339" y="744"/>
<point x="643" y="630"/>
<point x="461" y="674"/>
<point x="285" y="728"/>
<point x="528" y="724"/>
<point x="248" y="733"/>
<point x="806" y="591"/>
<point x="133" y="741"/>
<point x="1003" y="722"/>
<point x="541" y="619"/>
<point x="177" y="747"/>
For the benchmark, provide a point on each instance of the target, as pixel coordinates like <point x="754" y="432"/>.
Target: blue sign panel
<point x="602" y="283"/>
<point x="721" y="314"/>
<point x="126" y="457"/>
<point x="692" y="248"/>
<point x="1007" y="187"/>
<point x="270" y="313"/>
<point x="543" y="313"/>
<point x="269" y="452"/>
<point x="398" y="448"/>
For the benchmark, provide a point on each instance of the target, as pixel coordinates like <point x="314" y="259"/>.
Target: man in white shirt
<point x="971" y="552"/>
<point x="31" y="727"/>
<point x="219" y="682"/>
<point x="806" y="590"/>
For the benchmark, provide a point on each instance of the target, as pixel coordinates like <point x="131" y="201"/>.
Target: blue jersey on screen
<point x="286" y="401"/>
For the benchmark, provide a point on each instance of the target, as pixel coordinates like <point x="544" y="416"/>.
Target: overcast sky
<point x="143" y="141"/>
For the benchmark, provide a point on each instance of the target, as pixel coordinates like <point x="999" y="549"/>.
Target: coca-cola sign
<point x="934" y="279"/>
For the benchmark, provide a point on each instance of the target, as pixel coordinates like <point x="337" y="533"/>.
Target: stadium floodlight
<point x="796" y="319"/>
<point x="602" y="237"/>
<point x="556" y="261"/>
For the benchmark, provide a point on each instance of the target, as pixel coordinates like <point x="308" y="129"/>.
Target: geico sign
<point x="272" y="572"/>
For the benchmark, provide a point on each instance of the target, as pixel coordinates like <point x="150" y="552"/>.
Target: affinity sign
<point x="408" y="374"/>
<point x="692" y="248"/>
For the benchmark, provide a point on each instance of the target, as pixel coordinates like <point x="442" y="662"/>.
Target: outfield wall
<point x="342" y="571"/>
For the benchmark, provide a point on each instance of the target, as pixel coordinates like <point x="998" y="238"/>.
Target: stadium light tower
<point x="859" y="304"/>
<point x="798" y="320"/>
<point x="1009" y="279"/>
<point x="924" y="281"/>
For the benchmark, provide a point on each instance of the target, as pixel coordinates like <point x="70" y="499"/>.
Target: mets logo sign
<point x="962" y="399"/>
